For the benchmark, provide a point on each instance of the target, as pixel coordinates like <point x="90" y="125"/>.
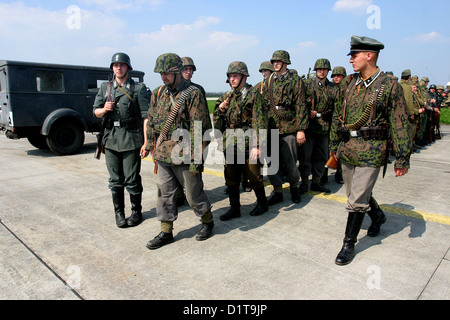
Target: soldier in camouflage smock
<point x="284" y="93"/>
<point x="240" y="113"/>
<point x="122" y="104"/>
<point x="371" y="112"/>
<point x="178" y="153"/>
<point x="266" y="69"/>
<point x="314" y="153"/>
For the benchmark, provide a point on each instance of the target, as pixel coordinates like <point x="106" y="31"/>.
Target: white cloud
<point x="432" y="37"/>
<point x="352" y="6"/>
<point x="196" y="36"/>
<point x="119" y="5"/>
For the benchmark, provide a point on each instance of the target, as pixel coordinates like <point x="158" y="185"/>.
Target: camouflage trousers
<point x="359" y="183"/>
<point x="170" y="178"/>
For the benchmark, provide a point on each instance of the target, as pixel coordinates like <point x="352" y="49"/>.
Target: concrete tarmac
<point x="58" y="239"/>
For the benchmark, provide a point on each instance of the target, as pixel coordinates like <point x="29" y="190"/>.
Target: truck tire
<point x="38" y="140"/>
<point x="65" y="138"/>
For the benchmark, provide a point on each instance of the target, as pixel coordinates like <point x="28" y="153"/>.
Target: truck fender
<point x="58" y="114"/>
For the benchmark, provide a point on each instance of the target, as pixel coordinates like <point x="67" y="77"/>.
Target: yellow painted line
<point x="417" y="214"/>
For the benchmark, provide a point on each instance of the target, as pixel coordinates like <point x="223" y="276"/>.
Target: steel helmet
<point x="188" y="62"/>
<point x="266" y="65"/>
<point x="168" y="62"/>
<point x="339" y="71"/>
<point x="281" y="55"/>
<point x="322" y="64"/>
<point x="121" y="57"/>
<point x="238" y="67"/>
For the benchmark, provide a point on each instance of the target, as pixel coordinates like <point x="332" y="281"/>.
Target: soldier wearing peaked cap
<point x="370" y="112"/>
<point x="176" y="109"/>
<point x="124" y="103"/>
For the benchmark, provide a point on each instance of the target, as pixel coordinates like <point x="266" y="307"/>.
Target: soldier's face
<point x="266" y="73"/>
<point x="168" y="78"/>
<point x="358" y="61"/>
<point x="235" y="80"/>
<point x="278" y="66"/>
<point x="188" y="72"/>
<point x="322" y="73"/>
<point x="120" y="69"/>
<point x="338" y="78"/>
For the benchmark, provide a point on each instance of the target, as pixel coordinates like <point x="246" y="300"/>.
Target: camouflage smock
<point x="391" y="110"/>
<point x="246" y="110"/>
<point x="289" y="96"/>
<point x="193" y="110"/>
<point x="322" y="95"/>
<point x="118" y="138"/>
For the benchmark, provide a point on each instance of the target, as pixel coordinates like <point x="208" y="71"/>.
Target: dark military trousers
<point x="233" y="174"/>
<point x="124" y="171"/>
<point x="288" y="162"/>
<point x="170" y="178"/>
<point x="313" y="154"/>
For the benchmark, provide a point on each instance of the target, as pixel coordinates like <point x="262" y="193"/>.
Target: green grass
<point x="211" y="105"/>
<point x="445" y="115"/>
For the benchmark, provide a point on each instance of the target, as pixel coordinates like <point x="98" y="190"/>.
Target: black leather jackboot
<point x="377" y="216"/>
<point x="262" y="205"/>
<point x="347" y="253"/>
<point x="119" y="207"/>
<point x="136" y="210"/>
<point x="235" y="205"/>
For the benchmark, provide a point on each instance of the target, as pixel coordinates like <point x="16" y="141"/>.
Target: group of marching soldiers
<point x="300" y="110"/>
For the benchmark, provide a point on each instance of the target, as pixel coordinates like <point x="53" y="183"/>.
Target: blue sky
<point x="215" y="33"/>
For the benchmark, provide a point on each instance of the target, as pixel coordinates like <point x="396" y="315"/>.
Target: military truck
<point x="51" y="104"/>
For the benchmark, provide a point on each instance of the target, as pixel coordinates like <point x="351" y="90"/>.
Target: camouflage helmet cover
<point x="121" y="57"/>
<point x="322" y="64"/>
<point x="168" y="63"/>
<point x="188" y="62"/>
<point x="440" y="87"/>
<point x="281" y="55"/>
<point x="238" y="67"/>
<point x="425" y="79"/>
<point x="266" y="65"/>
<point x="339" y="71"/>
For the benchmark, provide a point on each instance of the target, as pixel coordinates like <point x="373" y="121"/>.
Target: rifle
<point x="100" y="147"/>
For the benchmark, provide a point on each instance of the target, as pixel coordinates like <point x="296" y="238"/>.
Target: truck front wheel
<point x="65" y="138"/>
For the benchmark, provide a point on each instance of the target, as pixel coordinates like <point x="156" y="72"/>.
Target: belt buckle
<point x="116" y="123"/>
<point x="354" y="134"/>
<point x="318" y="115"/>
